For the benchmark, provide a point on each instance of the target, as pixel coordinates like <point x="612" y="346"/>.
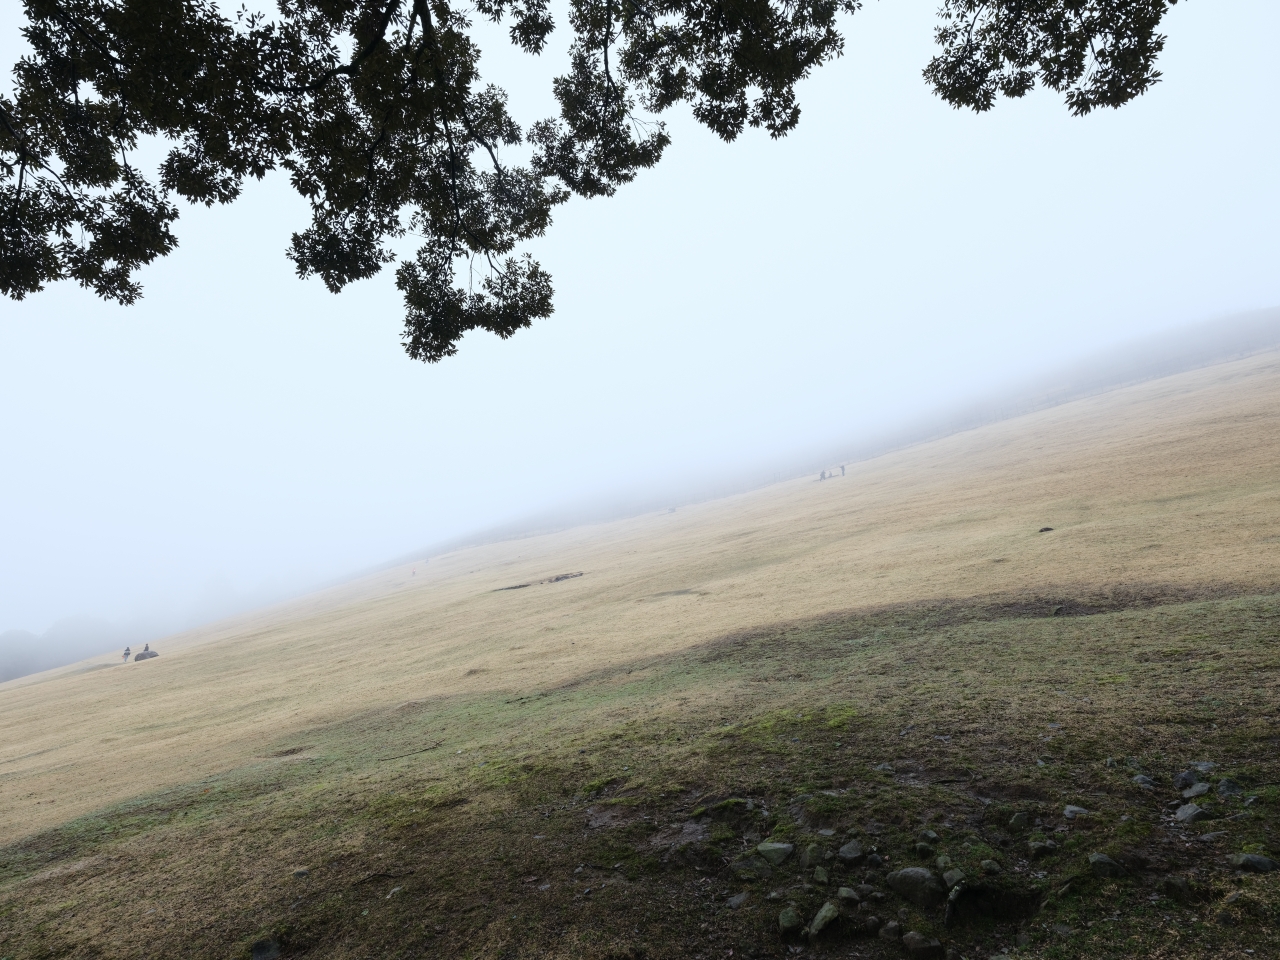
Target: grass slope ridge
<point x="616" y="814"/>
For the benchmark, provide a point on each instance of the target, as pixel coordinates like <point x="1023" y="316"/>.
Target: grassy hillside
<point x="427" y="764"/>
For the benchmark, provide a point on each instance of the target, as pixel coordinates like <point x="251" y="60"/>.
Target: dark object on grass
<point x="1046" y="530"/>
<point x="1252" y="862"/>
<point x="1103" y="866"/>
<point x="919" y="885"/>
<point x="144" y="655"/>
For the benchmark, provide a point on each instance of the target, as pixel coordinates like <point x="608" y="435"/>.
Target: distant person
<point x="146" y="647"/>
<point x="822" y="475"/>
<point x="842" y="469"/>
<point x="126" y="653"/>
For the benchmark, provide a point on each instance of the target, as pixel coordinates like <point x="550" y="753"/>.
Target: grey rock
<point x="1041" y="848"/>
<point x="822" y="919"/>
<point x="921" y="947"/>
<point x="1185" y="779"/>
<point x="1145" y="782"/>
<point x="919" y="885"/>
<point x="1195" y="790"/>
<point x="789" y="921"/>
<point x="885" y="768"/>
<point x="1176" y="888"/>
<point x="1103" y="866"/>
<point x="737" y="900"/>
<point x="1252" y="862"/>
<point x="302" y="872"/>
<point x="1071" y="812"/>
<point x="265" y="950"/>
<point x="891" y="931"/>
<point x="851" y="852"/>
<point x="953" y="877"/>
<point x="943" y="862"/>
<point x="1111" y="762"/>
<point x="990" y="866"/>
<point x="1019" y="821"/>
<point x="848" y="894"/>
<point x="820" y="875"/>
<point x="928" y="836"/>
<point x="1203" y="766"/>
<point x="875" y="860"/>
<point x="775" y="853"/>
<point x="811" y="855"/>
<point x="1229" y="788"/>
<point x="1062" y="930"/>
<point x="871" y="924"/>
<point x="924" y="850"/>
<point x="866" y="891"/>
<point x="754" y="867"/>
<point x="1190" y="813"/>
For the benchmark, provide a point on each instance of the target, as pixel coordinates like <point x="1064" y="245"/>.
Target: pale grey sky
<point x="240" y="433"/>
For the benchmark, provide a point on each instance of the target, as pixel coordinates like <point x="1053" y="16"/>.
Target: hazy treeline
<point x="67" y="641"/>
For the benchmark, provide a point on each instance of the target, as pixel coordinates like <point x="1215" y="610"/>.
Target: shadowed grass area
<point x="616" y="815"/>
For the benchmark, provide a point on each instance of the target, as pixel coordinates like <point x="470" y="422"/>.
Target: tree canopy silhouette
<point x="377" y="111"/>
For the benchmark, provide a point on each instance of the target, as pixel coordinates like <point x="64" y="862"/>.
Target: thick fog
<point x="742" y="312"/>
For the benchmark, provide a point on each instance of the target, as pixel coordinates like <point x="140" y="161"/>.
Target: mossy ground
<point x="615" y="816"/>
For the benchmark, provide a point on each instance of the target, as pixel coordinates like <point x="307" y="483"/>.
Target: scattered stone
<point x="810" y="855"/>
<point x="891" y="931"/>
<point x="990" y="866"/>
<point x="1041" y="848"/>
<point x="1071" y="812"/>
<point x="824" y="916"/>
<point x="1103" y="866"/>
<point x="788" y="921"/>
<point x="1176" y="889"/>
<point x="953" y="877"/>
<point x="302" y="872"/>
<point x="885" y="768"/>
<point x="1110" y="762"/>
<point x="1185" y="779"/>
<point x="851" y="852"/>
<point x="754" y="867"/>
<point x="1195" y="790"/>
<point x="919" y="885"/>
<point x="920" y="946"/>
<point x="1211" y="837"/>
<point x="1252" y="862"/>
<point x="928" y="836"/>
<point x="265" y="950"/>
<point x="737" y="900"/>
<point x="875" y="860"/>
<point x="827" y="833"/>
<point x="867" y="892"/>
<point x="1019" y="821"/>
<point x="819" y="875"/>
<point x="1062" y="930"/>
<point x="1190" y="813"/>
<point x="775" y="853"/>
<point x="1203" y="766"/>
<point x="1145" y="782"/>
<point x="943" y="862"/>
<point x="924" y="850"/>
<point x="848" y="893"/>
<point x="1229" y="788"/>
<point x="871" y="924"/>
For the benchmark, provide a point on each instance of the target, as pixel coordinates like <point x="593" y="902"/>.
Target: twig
<point x="414" y="754"/>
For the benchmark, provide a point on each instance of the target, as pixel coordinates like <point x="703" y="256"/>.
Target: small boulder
<point x="1019" y="821"/>
<point x="265" y="950"/>
<point x="775" y="853"/>
<point x="1195" y="790"/>
<point x="891" y="931"/>
<point x="1177" y="889"/>
<point x="922" y="947"/>
<point x="953" y="877"/>
<point x="990" y="866"/>
<point x="1041" y="848"/>
<point x="851" y="852"/>
<point x="302" y="873"/>
<point x="871" y="924"/>
<point x="1190" y="813"/>
<point x="788" y="921"/>
<point x="1252" y="862"/>
<point x="1229" y="788"/>
<point x="823" y="918"/>
<point x="919" y="885"/>
<point x="1185" y="779"/>
<point x="820" y="875"/>
<point x="1071" y="812"/>
<point x="1103" y="866"/>
<point x="1203" y="766"/>
<point x="848" y="894"/>
<point x="884" y="768"/>
<point x="1145" y="782"/>
<point x="737" y="900"/>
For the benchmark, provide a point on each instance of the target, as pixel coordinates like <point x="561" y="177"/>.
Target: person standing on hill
<point x="126" y="654"/>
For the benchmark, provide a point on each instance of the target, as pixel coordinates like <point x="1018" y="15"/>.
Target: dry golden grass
<point x="1174" y="482"/>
